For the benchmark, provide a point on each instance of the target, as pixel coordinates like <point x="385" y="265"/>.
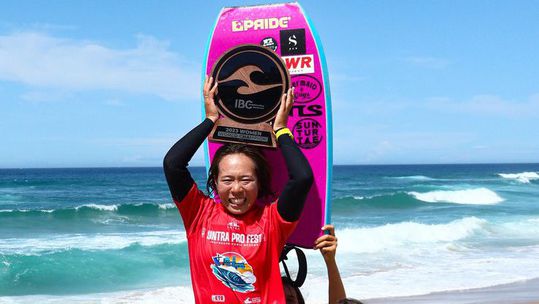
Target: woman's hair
<point x="262" y="170"/>
<point x="292" y="288"/>
<point x="349" y="301"/>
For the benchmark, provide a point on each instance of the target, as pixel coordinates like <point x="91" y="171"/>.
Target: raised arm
<point x="327" y="244"/>
<point x="300" y="175"/>
<point x="175" y="164"/>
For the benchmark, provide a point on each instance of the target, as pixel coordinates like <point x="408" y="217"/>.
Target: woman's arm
<point x="175" y="164"/>
<point x="300" y="179"/>
<point x="328" y="247"/>
<point x="300" y="175"/>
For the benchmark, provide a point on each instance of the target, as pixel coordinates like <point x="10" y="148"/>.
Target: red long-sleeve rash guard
<point x="235" y="258"/>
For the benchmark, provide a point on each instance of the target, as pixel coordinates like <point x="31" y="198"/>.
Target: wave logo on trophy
<point x="251" y="80"/>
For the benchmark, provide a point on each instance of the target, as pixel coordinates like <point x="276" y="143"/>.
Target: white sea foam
<point x="165" y="295"/>
<point x="416" y="258"/>
<point x="380" y="238"/>
<point x="181" y="294"/>
<point x="523" y="177"/>
<point x="436" y="272"/>
<point x="519" y="230"/>
<point x="100" y="207"/>
<point x="167" y="206"/>
<point x="110" y="208"/>
<point x="477" y="196"/>
<point x="431" y="272"/>
<point x="25" y="210"/>
<point x="108" y="241"/>
<point x="414" y="177"/>
<point x="359" y="197"/>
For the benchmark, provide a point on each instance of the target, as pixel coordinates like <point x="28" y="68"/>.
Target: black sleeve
<point x="176" y="161"/>
<point x="300" y="179"/>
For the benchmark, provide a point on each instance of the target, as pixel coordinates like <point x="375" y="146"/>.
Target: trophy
<point x="251" y="80"/>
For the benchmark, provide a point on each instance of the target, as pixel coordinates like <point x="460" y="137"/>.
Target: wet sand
<point x="521" y="292"/>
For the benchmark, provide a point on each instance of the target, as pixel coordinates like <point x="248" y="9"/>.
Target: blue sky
<point x="116" y="83"/>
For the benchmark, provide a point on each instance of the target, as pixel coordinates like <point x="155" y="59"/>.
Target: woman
<point x="234" y="244"/>
<point x="327" y="244"/>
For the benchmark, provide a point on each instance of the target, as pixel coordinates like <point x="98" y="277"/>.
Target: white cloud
<point x="478" y="105"/>
<point x="386" y="143"/>
<point x="45" y="95"/>
<point x="488" y="105"/>
<point x="40" y="61"/>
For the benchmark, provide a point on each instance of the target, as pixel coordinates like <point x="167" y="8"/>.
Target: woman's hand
<point x="209" y="93"/>
<point x="287" y="101"/>
<point x="328" y="247"/>
<point x="327" y="243"/>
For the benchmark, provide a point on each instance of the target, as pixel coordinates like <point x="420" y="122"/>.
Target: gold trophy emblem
<point x="251" y="80"/>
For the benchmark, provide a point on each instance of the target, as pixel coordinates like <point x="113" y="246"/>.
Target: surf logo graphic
<point x="251" y="80"/>
<point x="233" y="271"/>
<point x="243" y="74"/>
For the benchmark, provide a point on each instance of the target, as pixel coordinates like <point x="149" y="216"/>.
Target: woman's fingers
<point x="326" y="237"/>
<point x="326" y="240"/>
<point x="280" y="117"/>
<point x="290" y="98"/>
<point x="287" y="100"/>
<point x="325" y="244"/>
<point x="213" y="90"/>
<point x="329" y="228"/>
<point x="209" y="87"/>
<point x="282" y="108"/>
<point x="328" y="249"/>
<point x="209" y="92"/>
<point x="205" y="89"/>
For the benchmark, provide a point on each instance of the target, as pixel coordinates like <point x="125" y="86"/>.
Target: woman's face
<point x="237" y="184"/>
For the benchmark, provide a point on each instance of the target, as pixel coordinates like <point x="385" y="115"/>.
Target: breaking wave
<point x="373" y="239"/>
<point x="88" y="242"/>
<point x="476" y="196"/>
<point x="90" y="210"/>
<point x="523" y="177"/>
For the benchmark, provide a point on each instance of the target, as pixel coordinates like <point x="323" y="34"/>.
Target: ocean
<point x="113" y="235"/>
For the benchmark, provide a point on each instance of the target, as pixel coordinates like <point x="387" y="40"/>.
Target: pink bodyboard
<point x="286" y="29"/>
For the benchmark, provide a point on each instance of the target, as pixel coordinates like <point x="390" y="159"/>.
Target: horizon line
<point x="334" y="165"/>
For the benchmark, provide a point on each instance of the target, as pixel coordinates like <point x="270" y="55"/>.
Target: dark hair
<point x="349" y="301"/>
<point x="289" y="282"/>
<point x="262" y="170"/>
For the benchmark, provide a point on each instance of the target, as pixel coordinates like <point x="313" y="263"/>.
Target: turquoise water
<point x="86" y="231"/>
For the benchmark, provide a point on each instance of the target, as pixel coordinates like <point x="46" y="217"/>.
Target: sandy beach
<point x="525" y="292"/>
<point x="520" y="292"/>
